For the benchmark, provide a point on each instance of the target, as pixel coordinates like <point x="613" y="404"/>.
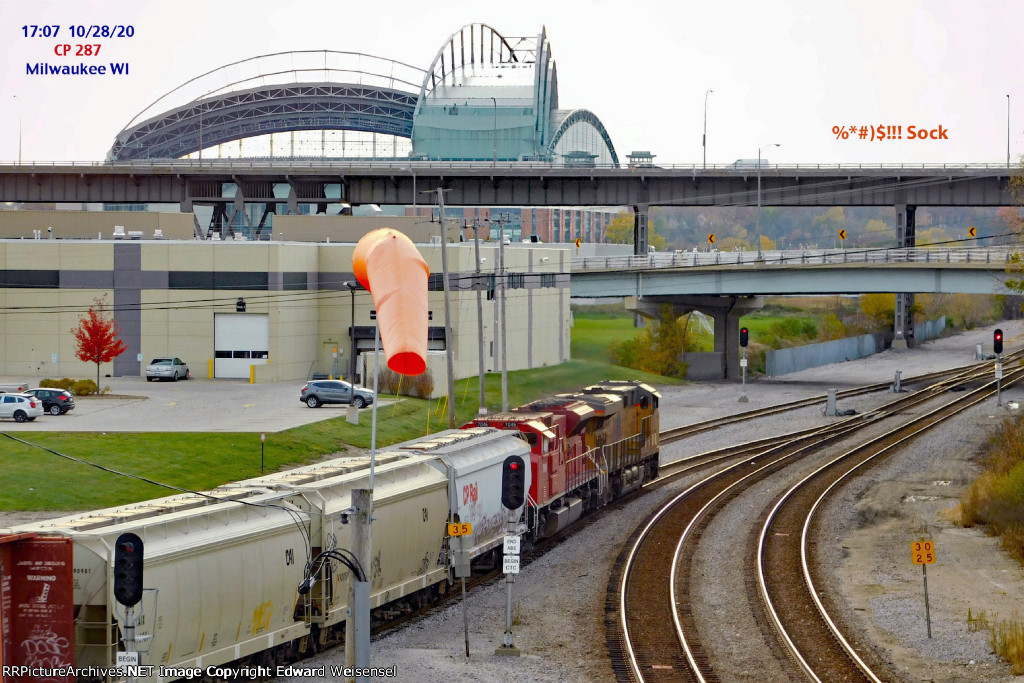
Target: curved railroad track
<point x="653" y="634"/>
<point x="965" y="372"/>
<point x="786" y="578"/>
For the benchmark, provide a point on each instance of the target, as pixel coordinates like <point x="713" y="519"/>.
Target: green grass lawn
<point x="35" y="479"/>
<point x="594" y="333"/>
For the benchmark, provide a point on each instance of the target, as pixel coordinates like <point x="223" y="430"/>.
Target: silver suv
<point x="321" y="391"/>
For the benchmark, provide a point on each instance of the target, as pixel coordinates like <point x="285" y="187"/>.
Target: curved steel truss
<point x="587" y="117"/>
<point x="472" y="45"/>
<point x="260" y="111"/>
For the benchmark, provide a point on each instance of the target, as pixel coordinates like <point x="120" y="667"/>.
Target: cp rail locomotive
<point x="222" y="568"/>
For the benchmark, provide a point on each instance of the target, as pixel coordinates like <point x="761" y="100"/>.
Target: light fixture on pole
<point x="200" y="132"/>
<point x="352" y="286"/>
<point x="494" y="135"/>
<point x="774" y="144"/>
<point x="704" y="143"/>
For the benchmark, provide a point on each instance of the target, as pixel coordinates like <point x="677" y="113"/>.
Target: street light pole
<point x="19" y="131"/>
<point x="704" y="143"/>
<point x="1007" y="133"/>
<point x="352" y="332"/>
<point x="482" y="410"/>
<point x="494" y="136"/>
<point x="774" y="144"/>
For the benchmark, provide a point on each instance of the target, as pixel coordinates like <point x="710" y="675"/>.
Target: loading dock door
<point x="239" y="340"/>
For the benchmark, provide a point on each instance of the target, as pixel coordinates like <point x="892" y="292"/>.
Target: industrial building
<point x="273" y="310"/>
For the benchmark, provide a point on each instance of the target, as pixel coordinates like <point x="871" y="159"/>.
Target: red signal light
<point x="513" y="466"/>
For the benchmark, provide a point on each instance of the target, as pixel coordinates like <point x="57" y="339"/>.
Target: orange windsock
<point x="387" y="264"/>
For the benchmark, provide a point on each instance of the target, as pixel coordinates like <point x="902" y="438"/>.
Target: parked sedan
<point x="321" y="391"/>
<point x="55" y="401"/>
<point x="20" y="407"/>
<point x="167" y="368"/>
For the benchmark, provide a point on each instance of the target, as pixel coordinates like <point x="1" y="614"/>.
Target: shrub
<point x="84" y="387"/>
<point x="996" y="497"/>
<point x="64" y="384"/>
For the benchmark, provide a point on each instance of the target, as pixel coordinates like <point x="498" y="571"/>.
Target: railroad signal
<point x="744" y="336"/>
<point x="711" y="238"/>
<point x="513" y="482"/>
<point x="128" y="569"/>
<point x="997" y="341"/>
<point x="842" y="234"/>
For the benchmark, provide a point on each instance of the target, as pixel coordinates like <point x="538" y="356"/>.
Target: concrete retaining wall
<point x="704" y="366"/>
<point x="785" y="361"/>
<point x="929" y="329"/>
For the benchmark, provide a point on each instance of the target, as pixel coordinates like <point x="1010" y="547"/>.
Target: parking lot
<point x="196" y="405"/>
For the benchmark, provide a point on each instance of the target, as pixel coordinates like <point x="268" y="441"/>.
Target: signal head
<point x="513" y="482"/>
<point x="997" y="341"/>
<point x="128" y="553"/>
<point x="744" y="336"/>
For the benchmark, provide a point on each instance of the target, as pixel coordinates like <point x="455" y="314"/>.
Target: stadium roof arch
<point x="485" y="96"/>
<point x="280" y="92"/>
<point x="580" y="133"/>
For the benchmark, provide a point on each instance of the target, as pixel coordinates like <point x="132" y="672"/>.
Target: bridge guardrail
<point x="690" y="259"/>
<point x="416" y="164"/>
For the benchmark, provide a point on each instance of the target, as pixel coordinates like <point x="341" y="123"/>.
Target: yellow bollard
<point x="252" y="374"/>
<point x="210" y="371"/>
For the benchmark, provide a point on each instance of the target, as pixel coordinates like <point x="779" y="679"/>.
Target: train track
<point x="652" y="632"/>
<point x="785" y="552"/>
<point x="967" y="371"/>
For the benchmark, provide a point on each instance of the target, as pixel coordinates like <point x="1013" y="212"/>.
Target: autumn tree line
<point x="735" y="227"/>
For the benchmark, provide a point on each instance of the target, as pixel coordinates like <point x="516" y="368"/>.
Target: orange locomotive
<point x="586" y="449"/>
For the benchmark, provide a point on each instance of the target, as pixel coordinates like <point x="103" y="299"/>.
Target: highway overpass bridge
<point x="728" y="285"/>
<point x="188" y="182"/>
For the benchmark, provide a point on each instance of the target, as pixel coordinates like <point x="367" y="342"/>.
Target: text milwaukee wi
<point x="80" y="69"/>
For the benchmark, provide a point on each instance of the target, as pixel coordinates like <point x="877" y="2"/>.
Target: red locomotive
<point x="586" y="448"/>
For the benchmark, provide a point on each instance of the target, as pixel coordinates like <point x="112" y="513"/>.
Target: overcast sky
<point x="782" y="71"/>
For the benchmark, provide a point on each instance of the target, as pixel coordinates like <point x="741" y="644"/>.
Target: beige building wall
<point x="90" y="224"/>
<point x="308" y="308"/>
<point x="322" y="228"/>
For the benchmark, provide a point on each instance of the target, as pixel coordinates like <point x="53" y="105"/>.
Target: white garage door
<point x="240" y="340"/>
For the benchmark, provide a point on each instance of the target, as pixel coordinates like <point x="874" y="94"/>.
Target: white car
<point x="167" y="368"/>
<point x="20" y="407"/>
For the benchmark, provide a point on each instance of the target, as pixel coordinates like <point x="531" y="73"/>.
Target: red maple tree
<point x="97" y="337"/>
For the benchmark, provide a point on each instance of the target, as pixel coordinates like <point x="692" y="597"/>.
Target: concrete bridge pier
<point x="726" y="311"/>
<point x="903" y="325"/>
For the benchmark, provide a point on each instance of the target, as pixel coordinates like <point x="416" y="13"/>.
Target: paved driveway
<point x="196" y="405"/>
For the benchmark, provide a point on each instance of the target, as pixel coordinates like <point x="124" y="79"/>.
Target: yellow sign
<point x="972" y="231"/>
<point x="578" y="240"/>
<point x="711" y="238"/>
<point x="460" y="529"/>
<point x="842" y="234"/>
<point x="922" y="552"/>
